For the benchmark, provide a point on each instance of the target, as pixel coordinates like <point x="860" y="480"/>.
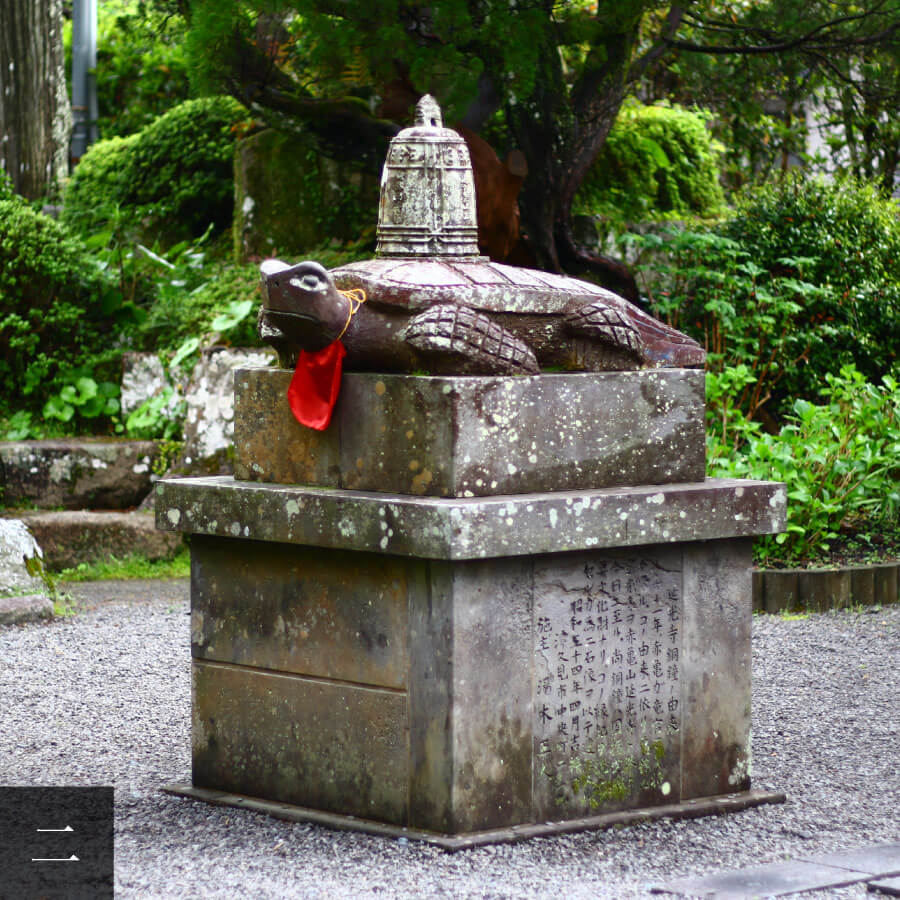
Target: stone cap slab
<point x="477" y="528"/>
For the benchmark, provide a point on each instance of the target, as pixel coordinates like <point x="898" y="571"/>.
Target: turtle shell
<point x="417" y="284"/>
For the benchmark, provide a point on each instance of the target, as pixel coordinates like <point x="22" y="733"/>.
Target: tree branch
<point x="662" y="43"/>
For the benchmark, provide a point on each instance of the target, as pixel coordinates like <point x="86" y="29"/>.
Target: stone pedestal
<point x="468" y="668"/>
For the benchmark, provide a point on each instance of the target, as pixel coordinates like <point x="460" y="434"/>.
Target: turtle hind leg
<point x="472" y="341"/>
<point x="601" y="321"/>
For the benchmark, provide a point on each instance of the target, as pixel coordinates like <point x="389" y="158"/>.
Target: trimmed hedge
<point x="97" y="186"/>
<point x="180" y="170"/>
<point x="169" y="182"/>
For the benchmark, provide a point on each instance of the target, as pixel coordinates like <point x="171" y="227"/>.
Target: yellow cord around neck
<point x="356" y="297"/>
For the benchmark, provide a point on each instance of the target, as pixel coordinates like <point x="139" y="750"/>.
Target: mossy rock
<point x="289" y="199"/>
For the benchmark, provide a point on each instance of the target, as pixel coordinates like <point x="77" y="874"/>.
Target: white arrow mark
<point x="72" y="858"/>
<point x="67" y="828"/>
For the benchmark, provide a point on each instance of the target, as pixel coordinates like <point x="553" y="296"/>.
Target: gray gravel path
<point x="103" y="698"/>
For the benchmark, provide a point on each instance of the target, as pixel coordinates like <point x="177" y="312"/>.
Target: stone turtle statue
<point x="429" y="303"/>
<point x="447" y="316"/>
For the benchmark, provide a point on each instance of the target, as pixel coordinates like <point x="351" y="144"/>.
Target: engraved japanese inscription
<point x="607" y="688"/>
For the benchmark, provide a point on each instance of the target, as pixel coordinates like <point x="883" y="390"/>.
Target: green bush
<point x="803" y="279"/>
<point x="658" y="161"/>
<point x="844" y="238"/>
<point x="840" y="460"/>
<point x="95" y="190"/>
<point x="180" y="171"/>
<point x="59" y="312"/>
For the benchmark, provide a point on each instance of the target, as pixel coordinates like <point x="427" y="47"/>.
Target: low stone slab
<point x="24" y="592"/>
<point x="806" y="874"/>
<point x="689" y="809"/>
<point x="76" y="473"/>
<point x="775" y="880"/>
<point x="474" y="437"/>
<point x="879" y="859"/>
<point x="438" y="528"/>
<point x="71" y="537"/>
<point x="888" y="886"/>
<point x="20" y="610"/>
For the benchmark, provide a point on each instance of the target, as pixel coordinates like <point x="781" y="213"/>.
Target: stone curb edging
<point x="780" y="590"/>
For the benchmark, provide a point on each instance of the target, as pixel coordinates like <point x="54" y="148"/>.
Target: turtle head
<point x="303" y="303"/>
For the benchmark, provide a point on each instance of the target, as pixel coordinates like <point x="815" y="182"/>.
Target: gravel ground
<point x="103" y="698"/>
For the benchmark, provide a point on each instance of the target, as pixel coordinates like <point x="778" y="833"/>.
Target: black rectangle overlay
<point x="56" y="843"/>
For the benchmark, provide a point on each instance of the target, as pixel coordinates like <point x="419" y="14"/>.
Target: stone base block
<point x="474" y="437"/>
<point x="459" y="696"/>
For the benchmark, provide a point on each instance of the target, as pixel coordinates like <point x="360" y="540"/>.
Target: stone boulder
<point x="25" y="590"/>
<point x="282" y="187"/>
<point x="209" y="426"/>
<point x="143" y="377"/>
<point x="76" y="473"/>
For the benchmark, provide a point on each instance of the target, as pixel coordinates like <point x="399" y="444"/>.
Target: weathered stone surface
<point x="70" y="537"/>
<point x="491" y="692"/>
<point x="292" y="609"/>
<point x="24" y="593"/>
<point x="329" y="745"/>
<point x="209" y="423"/>
<point x="470" y="528"/>
<point x="481" y="675"/>
<point x="759" y="587"/>
<point x="824" y="588"/>
<point x="862" y="585"/>
<point x="886" y="584"/>
<point x="782" y="590"/>
<point x="143" y="377"/>
<point x="29" y="608"/>
<point x="878" y="859"/>
<point x="465" y="437"/>
<point x="76" y="473"/>
<point x="715" y="669"/>
<point x="607" y="640"/>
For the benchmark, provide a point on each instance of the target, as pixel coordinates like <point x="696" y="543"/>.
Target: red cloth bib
<point x="315" y="386"/>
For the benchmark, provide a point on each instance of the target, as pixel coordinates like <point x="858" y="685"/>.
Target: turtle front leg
<point x="458" y="338"/>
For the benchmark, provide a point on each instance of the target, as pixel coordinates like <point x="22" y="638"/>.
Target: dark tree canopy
<point x="546" y="78"/>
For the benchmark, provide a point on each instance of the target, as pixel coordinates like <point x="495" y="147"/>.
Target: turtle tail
<point x="460" y="332"/>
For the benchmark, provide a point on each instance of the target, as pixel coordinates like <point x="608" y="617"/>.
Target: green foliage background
<point x="58" y="309"/>
<point x="658" y="162"/>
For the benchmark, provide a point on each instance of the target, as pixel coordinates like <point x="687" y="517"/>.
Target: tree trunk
<point x="561" y="135"/>
<point x="35" y="117"/>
